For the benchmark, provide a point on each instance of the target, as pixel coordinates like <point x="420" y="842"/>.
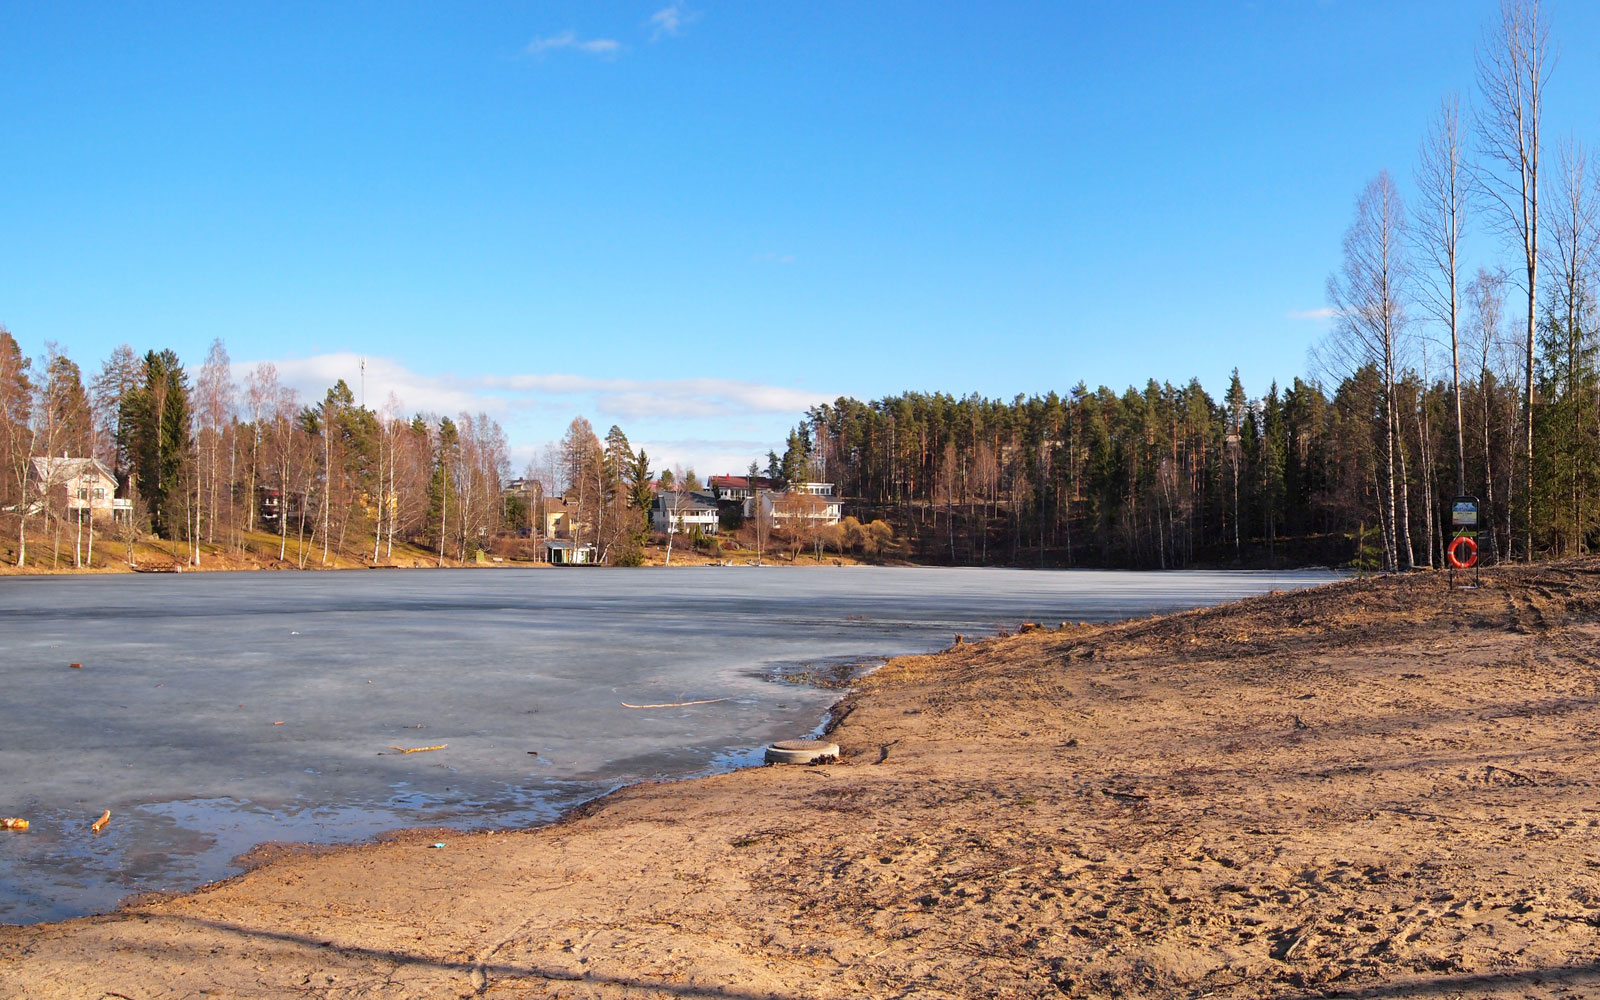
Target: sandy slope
<point x="1376" y="789"/>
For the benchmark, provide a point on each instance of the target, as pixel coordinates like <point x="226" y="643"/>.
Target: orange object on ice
<point x="13" y="823"/>
<point x="100" y="824"/>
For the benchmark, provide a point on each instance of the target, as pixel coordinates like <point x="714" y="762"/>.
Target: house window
<point x="99" y="492"/>
<point x="83" y="493"/>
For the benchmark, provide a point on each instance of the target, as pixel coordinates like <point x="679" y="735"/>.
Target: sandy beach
<point x="1374" y="789"/>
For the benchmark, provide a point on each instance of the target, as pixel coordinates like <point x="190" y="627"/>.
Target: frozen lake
<point x="214" y="712"/>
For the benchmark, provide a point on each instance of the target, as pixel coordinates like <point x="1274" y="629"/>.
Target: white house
<point x="812" y="502"/>
<point x="566" y="552"/>
<point x="673" y="512"/>
<point x="83" y="485"/>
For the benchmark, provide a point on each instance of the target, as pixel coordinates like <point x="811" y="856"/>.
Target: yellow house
<point x="561" y="528"/>
<point x="560" y="518"/>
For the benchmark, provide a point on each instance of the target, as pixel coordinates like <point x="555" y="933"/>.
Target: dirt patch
<point x="1374" y="789"/>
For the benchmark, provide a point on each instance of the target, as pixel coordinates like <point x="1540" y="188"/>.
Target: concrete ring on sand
<point x="801" y="751"/>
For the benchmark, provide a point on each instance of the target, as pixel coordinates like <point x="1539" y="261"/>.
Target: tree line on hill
<point x="209" y="461"/>
<point x="206" y="461"/>
<point x="1166" y="477"/>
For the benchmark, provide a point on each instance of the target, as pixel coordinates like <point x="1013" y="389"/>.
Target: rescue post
<point x="1462" y="552"/>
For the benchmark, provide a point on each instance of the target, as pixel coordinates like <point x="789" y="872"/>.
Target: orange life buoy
<point x="1472" y="552"/>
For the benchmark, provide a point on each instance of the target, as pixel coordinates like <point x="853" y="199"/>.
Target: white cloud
<point x="690" y="397"/>
<point x="685" y="398"/>
<point x="707" y="458"/>
<point x="680" y="421"/>
<point x="1321" y="315"/>
<point x="669" y="21"/>
<point x="312" y="377"/>
<point x="569" y="40"/>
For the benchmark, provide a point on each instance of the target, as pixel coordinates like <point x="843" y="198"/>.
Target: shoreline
<point x="124" y="570"/>
<point x="257" y="551"/>
<point x="1289" y="795"/>
<point x="159" y="559"/>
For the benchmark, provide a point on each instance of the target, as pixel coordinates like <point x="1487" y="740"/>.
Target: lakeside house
<point x="528" y="495"/>
<point x="560" y="518"/>
<point x="528" y="490"/>
<point x="809" y="503"/>
<point x="566" y="552"/>
<point x="813" y="503"/>
<point x="684" y="511"/>
<point x="81" y="486"/>
<point x="272" y="504"/>
<point x="560" y="526"/>
<point x="737" y="488"/>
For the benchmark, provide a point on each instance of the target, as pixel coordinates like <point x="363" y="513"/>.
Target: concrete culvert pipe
<point x="801" y="751"/>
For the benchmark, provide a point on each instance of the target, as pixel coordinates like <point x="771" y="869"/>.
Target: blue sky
<point x="692" y="220"/>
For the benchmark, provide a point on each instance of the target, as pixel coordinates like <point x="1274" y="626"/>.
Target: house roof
<point x="738" y="482"/>
<point x="49" y="467"/>
<point x="685" y="502"/>
<point x="567" y="545"/>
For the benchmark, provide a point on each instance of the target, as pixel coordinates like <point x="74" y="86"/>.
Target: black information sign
<point x="1462" y="552"/>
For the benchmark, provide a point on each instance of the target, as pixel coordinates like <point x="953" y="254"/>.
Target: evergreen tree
<point x="1567" y="459"/>
<point x="796" y="457"/>
<point x="65" y="408"/>
<point x="1270" y="469"/>
<point x="156" y="421"/>
<point x="640" y="493"/>
<point x="16" y="437"/>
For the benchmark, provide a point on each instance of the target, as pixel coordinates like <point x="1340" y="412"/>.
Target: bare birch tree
<point x="285" y="441"/>
<point x="215" y="391"/>
<point x="261" y="396"/>
<point x="63" y="420"/>
<point x="581" y="468"/>
<point x="390" y="431"/>
<point x="120" y="374"/>
<point x="1366" y="295"/>
<point x="1486" y="304"/>
<point x="414" y="466"/>
<point x="1442" y="181"/>
<point x="1513" y="68"/>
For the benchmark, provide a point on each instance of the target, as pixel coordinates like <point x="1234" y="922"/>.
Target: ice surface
<point x="170" y="722"/>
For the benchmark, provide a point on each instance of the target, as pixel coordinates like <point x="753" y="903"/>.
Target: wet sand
<point x="1373" y="789"/>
